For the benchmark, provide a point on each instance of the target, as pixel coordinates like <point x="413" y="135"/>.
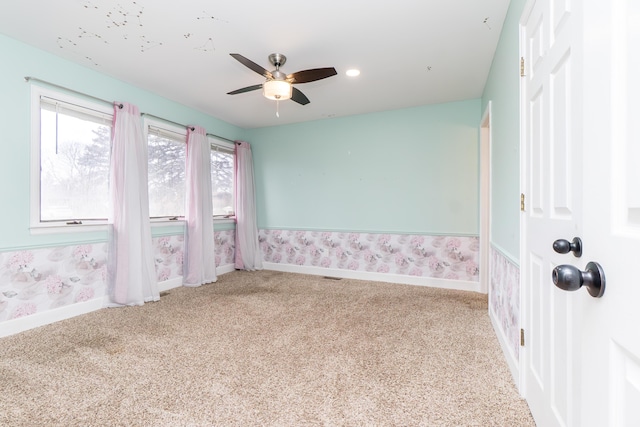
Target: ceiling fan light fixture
<point x="277" y="90"/>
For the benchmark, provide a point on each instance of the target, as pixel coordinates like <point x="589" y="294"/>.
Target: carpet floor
<point x="267" y="349"/>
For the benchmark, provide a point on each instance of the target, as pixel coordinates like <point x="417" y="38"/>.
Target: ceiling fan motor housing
<point x="277" y="59"/>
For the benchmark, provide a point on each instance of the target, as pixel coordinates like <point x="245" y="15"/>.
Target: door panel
<point x="538" y="305"/>
<point x="561" y="12"/>
<point x="536" y="155"/>
<point x="581" y="366"/>
<point x="625" y="385"/>
<point x="552" y="184"/>
<point x="562" y="352"/>
<point x="625" y="130"/>
<point x="611" y="348"/>
<point x="561" y="147"/>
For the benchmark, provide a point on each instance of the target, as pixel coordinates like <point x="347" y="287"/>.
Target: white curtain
<point x="199" y="257"/>
<point x="131" y="269"/>
<point x="248" y="256"/>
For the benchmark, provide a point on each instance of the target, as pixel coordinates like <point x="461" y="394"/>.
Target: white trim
<point x="523" y="357"/>
<point x="62" y="227"/>
<point x="485" y="197"/>
<point x="35" y="225"/>
<point x="509" y="357"/>
<point x="21" y="324"/>
<point x="215" y="141"/>
<point x="176" y="282"/>
<point x="35" y="320"/>
<point x="462" y="285"/>
<point x="228" y="268"/>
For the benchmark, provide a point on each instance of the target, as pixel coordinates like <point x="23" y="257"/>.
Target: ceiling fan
<point x="279" y="86"/>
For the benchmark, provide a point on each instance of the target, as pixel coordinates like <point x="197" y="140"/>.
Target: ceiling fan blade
<point x="245" y="89"/>
<point x="252" y="65"/>
<point x="306" y="76"/>
<point x="299" y="97"/>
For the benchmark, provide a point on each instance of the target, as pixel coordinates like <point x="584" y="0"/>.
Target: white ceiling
<point x="410" y="52"/>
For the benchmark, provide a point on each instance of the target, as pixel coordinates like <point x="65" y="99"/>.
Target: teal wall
<point x="404" y="171"/>
<point x="413" y="170"/>
<point x="20" y="60"/>
<point x="503" y="90"/>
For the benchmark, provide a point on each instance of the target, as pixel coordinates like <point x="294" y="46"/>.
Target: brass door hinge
<point x="522" y="202"/>
<point x="522" y="66"/>
<point x="521" y="337"/>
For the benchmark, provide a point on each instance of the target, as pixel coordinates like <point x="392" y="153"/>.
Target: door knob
<point x="570" y="278"/>
<point x="563" y="246"/>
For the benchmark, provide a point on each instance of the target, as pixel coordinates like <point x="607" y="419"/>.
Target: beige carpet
<point x="267" y="349"/>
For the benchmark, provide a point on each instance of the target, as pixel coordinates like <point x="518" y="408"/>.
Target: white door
<point x="581" y="361"/>
<point x="552" y="184"/>
<point x="611" y="326"/>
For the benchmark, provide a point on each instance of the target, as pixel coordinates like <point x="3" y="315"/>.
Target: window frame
<point x="36" y="225"/>
<point x="215" y="142"/>
<point x="162" y="125"/>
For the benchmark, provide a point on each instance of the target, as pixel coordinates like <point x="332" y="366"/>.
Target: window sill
<point x="164" y="222"/>
<point x="58" y="228"/>
<point x="61" y="227"/>
<point x="181" y="221"/>
<point x="231" y="220"/>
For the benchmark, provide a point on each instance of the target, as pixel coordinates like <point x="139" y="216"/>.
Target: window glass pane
<point x="166" y="176"/>
<point x="222" y="182"/>
<point x="74" y="167"/>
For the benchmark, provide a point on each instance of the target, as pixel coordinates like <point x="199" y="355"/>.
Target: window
<point x="167" y="155"/>
<point x="222" y="177"/>
<point x="70" y="160"/>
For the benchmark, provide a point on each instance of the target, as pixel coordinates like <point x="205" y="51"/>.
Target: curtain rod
<point x="190" y="127"/>
<point x="29" y="78"/>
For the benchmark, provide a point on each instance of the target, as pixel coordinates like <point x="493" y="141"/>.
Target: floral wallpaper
<point x="446" y="257"/>
<point x="504" y="299"/>
<point x="38" y="280"/>
<point x="42" y="279"/>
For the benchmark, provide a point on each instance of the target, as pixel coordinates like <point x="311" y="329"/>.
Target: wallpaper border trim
<point x="347" y="231"/>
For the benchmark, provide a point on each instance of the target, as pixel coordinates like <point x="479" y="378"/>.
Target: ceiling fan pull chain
<point x="277" y="109"/>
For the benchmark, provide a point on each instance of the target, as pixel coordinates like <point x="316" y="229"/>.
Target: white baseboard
<point x="35" y="320"/>
<point x="170" y="284"/>
<point x="21" y="324"/>
<point x="512" y="361"/>
<point x="225" y="269"/>
<point x="462" y="285"/>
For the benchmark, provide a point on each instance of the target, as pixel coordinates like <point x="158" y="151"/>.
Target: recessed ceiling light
<point x="353" y="72"/>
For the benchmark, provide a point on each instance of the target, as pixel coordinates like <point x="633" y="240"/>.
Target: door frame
<point x="524" y="285"/>
<point x="485" y="199"/>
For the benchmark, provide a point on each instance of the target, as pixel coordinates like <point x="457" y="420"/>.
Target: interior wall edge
<point x="511" y="258"/>
<point x="512" y="360"/>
